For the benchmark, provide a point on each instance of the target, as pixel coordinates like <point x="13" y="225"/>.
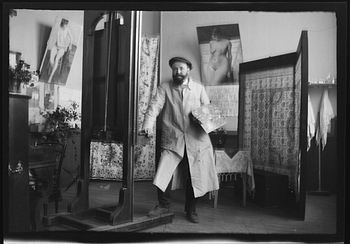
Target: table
<point x="227" y="167"/>
<point x="41" y="160"/>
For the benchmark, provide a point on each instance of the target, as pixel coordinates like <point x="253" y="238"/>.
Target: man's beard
<point x="179" y="79"/>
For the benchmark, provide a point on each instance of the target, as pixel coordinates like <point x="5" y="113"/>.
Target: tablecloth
<point x="227" y="167"/>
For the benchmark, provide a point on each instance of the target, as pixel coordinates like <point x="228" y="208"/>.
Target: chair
<point x="75" y="174"/>
<point x="55" y="194"/>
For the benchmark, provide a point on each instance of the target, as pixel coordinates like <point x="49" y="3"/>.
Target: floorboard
<point x="230" y="217"/>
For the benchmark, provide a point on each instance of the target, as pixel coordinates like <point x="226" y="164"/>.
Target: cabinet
<point x="18" y="197"/>
<point x="271" y="189"/>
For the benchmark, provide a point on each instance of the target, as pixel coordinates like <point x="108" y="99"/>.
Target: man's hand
<point x="194" y="119"/>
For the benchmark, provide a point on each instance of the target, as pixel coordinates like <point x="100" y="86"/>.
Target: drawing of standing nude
<point x="219" y="67"/>
<point x="62" y="44"/>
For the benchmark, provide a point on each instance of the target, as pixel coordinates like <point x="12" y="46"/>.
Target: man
<point x="186" y="152"/>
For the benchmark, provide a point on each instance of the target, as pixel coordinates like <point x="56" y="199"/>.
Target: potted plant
<point x="59" y="123"/>
<point x="19" y="75"/>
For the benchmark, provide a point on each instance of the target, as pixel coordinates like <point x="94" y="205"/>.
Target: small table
<point x="227" y="167"/>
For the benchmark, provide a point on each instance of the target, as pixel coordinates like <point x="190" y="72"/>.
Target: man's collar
<point x="188" y="84"/>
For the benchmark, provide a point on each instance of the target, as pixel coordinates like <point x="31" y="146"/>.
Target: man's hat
<point x="180" y="59"/>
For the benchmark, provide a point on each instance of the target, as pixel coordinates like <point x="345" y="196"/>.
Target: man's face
<point x="180" y="72"/>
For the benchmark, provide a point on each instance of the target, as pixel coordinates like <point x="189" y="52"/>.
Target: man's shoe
<point x="158" y="211"/>
<point x="192" y="217"/>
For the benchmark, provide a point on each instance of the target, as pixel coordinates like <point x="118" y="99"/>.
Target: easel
<point x="118" y="217"/>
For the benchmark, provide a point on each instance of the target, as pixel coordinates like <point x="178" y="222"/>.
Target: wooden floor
<point x="230" y="217"/>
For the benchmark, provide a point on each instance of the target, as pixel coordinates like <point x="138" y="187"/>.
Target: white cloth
<point x="311" y="123"/>
<point x="179" y="131"/>
<point x="239" y="163"/>
<point x="325" y="116"/>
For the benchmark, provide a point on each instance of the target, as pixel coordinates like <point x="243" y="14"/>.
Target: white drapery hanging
<point x="311" y="123"/>
<point x="326" y="114"/>
<point x="106" y="158"/>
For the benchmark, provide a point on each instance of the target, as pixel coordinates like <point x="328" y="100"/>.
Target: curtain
<point x="271" y="119"/>
<point x="106" y="158"/>
<point x="144" y="167"/>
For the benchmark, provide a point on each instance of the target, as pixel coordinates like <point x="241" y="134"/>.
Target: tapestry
<point x="225" y="97"/>
<point x="106" y="158"/>
<point x="271" y="119"/>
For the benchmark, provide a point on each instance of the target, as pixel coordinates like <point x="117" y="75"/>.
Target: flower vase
<point x="15" y="86"/>
<point x="221" y="141"/>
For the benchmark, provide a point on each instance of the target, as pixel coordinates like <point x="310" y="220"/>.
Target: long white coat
<point x="180" y="132"/>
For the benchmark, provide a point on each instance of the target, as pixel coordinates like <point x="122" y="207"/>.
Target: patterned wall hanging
<point x="270" y="118"/>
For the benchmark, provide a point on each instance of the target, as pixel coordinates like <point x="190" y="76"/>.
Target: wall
<point x="150" y="23"/>
<point x="262" y="35"/>
<point x="34" y="26"/>
<point x="29" y="33"/>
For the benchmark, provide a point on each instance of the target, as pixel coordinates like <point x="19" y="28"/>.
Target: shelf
<point x="19" y="95"/>
<point x="329" y="85"/>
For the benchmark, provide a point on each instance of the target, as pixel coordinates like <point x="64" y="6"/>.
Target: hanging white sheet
<point x="325" y="116"/>
<point x="311" y="123"/>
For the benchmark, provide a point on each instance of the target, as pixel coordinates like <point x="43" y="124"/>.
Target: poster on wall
<point x="221" y="53"/>
<point x="60" y="51"/>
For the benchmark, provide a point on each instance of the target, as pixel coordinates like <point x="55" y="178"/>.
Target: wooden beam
<point x="89" y="222"/>
<point x="137" y="224"/>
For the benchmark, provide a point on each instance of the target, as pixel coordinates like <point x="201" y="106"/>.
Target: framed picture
<point x="60" y="52"/>
<point x="221" y="53"/>
<point x="35" y="93"/>
<point x="50" y="96"/>
<point x="14" y="57"/>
